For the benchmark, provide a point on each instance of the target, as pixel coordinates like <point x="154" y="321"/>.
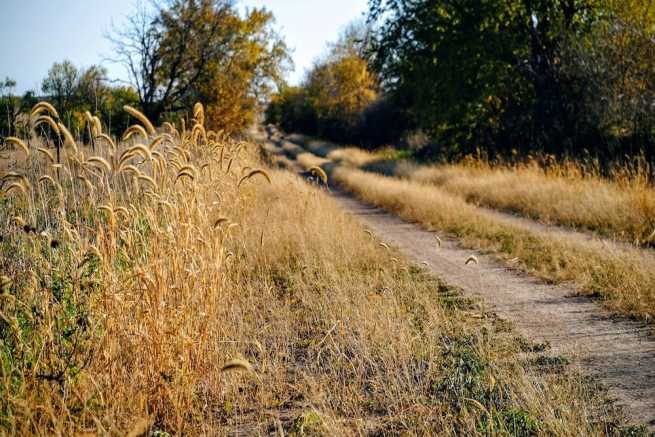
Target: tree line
<point x="176" y="53"/>
<point x="503" y="77"/>
<point x="73" y="90"/>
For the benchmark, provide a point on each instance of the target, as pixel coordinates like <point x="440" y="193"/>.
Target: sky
<point x="36" y="33"/>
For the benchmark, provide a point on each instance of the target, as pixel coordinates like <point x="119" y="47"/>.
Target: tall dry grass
<point x="164" y="286"/>
<point x="622" y="207"/>
<point x="569" y="193"/>
<point x="620" y="276"/>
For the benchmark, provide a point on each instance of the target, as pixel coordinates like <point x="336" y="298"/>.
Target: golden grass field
<point x="171" y="284"/>
<point x="567" y="193"/>
<point x="623" y="208"/>
<point x="622" y="277"/>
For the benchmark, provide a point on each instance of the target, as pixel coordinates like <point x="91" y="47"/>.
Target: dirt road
<point x="619" y="353"/>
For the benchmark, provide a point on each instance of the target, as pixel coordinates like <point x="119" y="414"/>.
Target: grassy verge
<point x="366" y="343"/>
<point x="564" y="193"/>
<point x="623" y="209"/>
<point x="130" y="289"/>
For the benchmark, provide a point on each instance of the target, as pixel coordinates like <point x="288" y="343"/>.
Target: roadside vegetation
<point x="171" y="284"/>
<point x="569" y="193"/>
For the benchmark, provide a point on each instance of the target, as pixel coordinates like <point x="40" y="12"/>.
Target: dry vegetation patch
<point x="568" y="193"/>
<point x="622" y="278"/>
<point x="623" y="208"/>
<point x="167" y="286"/>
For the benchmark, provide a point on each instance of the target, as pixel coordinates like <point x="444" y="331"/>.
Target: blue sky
<point x="36" y="33"/>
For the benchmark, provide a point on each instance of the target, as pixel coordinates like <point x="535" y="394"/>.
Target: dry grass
<point x="158" y="295"/>
<point x="623" y="208"/>
<point x="567" y="193"/>
<point x="444" y="197"/>
<point x="352" y="156"/>
<point x="621" y="276"/>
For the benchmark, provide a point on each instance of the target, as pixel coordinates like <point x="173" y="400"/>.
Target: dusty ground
<point x="619" y="353"/>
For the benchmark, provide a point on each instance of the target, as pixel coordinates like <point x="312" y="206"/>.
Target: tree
<point x="112" y="113"/>
<point x="340" y="89"/>
<point x="240" y="86"/>
<point x="137" y="46"/>
<point x="61" y="85"/>
<point x="334" y="94"/>
<point x="91" y="87"/>
<point x="10" y="107"/>
<point x="185" y="50"/>
<point x="475" y="72"/>
<point x="614" y="67"/>
<point x="75" y="90"/>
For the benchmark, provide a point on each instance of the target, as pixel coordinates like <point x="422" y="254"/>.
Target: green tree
<point x="112" y="113"/>
<point x="9" y="107"/>
<point x="76" y="90"/>
<point x="236" y="90"/>
<point x="91" y="88"/>
<point x="61" y="85"/>
<point x="614" y="67"/>
<point x="335" y="93"/>
<point x="475" y="72"/>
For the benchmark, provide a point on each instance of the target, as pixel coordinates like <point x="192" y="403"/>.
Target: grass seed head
<point x="68" y="137"/>
<point x="108" y="139"/>
<point x="20" y="143"/>
<point x="49" y="121"/>
<point x="17" y="185"/>
<point x="185" y="173"/>
<point x="318" y="171"/>
<point x="199" y="113"/>
<point x="134" y="129"/>
<point x="257" y="171"/>
<point x="44" y="106"/>
<point x="471" y="259"/>
<point x="219" y="221"/>
<point x="99" y="161"/>
<point x="141" y="117"/>
<point x="148" y="179"/>
<point x="47" y="153"/>
<point x="237" y="365"/>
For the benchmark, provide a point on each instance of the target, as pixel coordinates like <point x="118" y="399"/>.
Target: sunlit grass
<point x="164" y="285"/>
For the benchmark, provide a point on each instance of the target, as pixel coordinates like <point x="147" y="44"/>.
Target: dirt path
<point x="621" y="354"/>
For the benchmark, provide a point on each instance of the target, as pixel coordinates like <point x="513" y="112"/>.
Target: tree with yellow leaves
<point x="183" y="51"/>
<point x="335" y="93"/>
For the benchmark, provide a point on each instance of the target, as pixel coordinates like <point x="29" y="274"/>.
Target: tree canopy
<point x="504" y="77"/>
<point x="189" y="50"/>
<point x="335" y="93"/>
